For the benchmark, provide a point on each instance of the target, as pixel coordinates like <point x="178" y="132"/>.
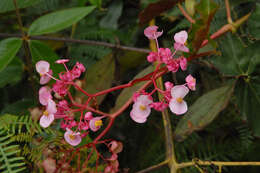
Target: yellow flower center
<point x="72" y="137"/>
<point x="142" y="107"/>
<point x="46" y="113"/>
<point x="179" y="100"/>
<point x="98" y="123"/>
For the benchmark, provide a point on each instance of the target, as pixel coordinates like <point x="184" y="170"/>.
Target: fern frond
<point x="9" y="159"/>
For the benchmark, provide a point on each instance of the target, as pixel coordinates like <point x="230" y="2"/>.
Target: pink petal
<point x="92" y="125"/>
<point x="138" y="119"/>
<point x="45" y="78"/>
<point x="151" y="32"/>
<point x="181" y="37"/>
<point x="42" y="67"/>
<point x="61" y="61"/>
<point x="191" y="82"/>
<point x="144" y="99"/>
<point x="181" y="47"/>
<point x="75" y="141"/>
<point x="183" y="63"/>
<point x="51" y="107"/>
<point x="141" y="113"/>
<point x="88" y="116"/>
<point x="44" y="95"/>
<point x="45" y="121"/>
<point x="179" y="91"/>
<point x="178" y="108"/>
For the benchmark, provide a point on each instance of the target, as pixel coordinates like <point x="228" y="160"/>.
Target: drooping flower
<point x="48" y="115"/>
<point x="151" y="32"/>
<point x="191" y="82"/>
<point x="141" y="109"/>
<point x="183" y="63"/>
<point x="177" y="104"/>
<point x="180" y="39"/>
<point x="46" y="78"/>
<point x="42" y="67"/>
<point x="95" y="124"/>
<point x="72" y="138"/>
<point x="62" y="61"/>
<point x="44" y="95"/>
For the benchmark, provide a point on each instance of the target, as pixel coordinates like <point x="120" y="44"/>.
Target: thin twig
<point x="70" y="40"/>
<point x="186" y="15"/>
<point x="229" y="19"/>
<point x="154" y="167"/>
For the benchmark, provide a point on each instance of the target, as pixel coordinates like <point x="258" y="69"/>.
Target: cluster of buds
<point x="173" y="96"/>
<point x="62" y="109"/>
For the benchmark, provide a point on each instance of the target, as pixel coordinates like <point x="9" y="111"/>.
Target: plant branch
<point x="70" y="40"/>
<point x="229" y="19"/>
<point x="216" y="163"/>
<point x="154" y="167"/>
<point x="185" y="14"/>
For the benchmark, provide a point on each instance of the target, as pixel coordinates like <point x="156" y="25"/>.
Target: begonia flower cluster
<point x="62" y="109"/>
<point x="173" y="96"/>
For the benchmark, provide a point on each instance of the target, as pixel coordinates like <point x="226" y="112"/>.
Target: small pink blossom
<point x="168" y="85"/>
<point x="46" y="78"/>
<point x="159" y="106"/>
<point x="183" y="63"/>
<point x="95" y="124"/>
<point x="165" y="55"/>
<point x="62" y="61"/>
<point x="88" y="116"/>
<point x="48" y="115"/>
<point x="80" y="67"/>
<point x="141" y="109"/>
<point x="153" y="56"/>
<point x="115" y="146"/>
<point x="44" y="95"/>
<point x="60" y="88"/>
<point x="177" y="104"/>
<point x="42" y="67"/>
<point x="191" y="82"/>
<point x="151" y="32"/>
<point x="71" y="137"/>
<point x="173" y="65"/>
<point x="180" y="39"/>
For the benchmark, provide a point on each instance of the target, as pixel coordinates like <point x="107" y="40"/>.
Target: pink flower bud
<point x="191" y="82"/>
<point x="151" y="32"/>
<point x="62" y="61"/>
<point x="88" y="116"/>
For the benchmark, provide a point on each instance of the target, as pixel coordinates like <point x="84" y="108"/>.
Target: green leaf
<point x="97" y="3"/>
<point x="254" y="23"/>
<point x="114" y="12"/>
<point x="200" y="30"/>
<point x="19" y="107"/>
<point x="127" y="93"/>
<point x="236" y="58"/>
<point x="60" y="20"/>
<point x="203" y="111"/>
<point x="100" y="76"/>
<point x="12" y="73"/>
<point x="8" y="49"/>
<point x="41" y="51"/>
<point x="8" y="5"/>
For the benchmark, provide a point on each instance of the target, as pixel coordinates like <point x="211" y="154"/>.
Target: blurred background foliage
<point x="223" y="121"/>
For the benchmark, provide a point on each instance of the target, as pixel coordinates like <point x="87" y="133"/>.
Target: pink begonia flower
<point x="95" y="124"/>
<point x="191" y="82"/>
<point x="165" y="55"/>
<point x="153" y="56"/>
<point x="42" y="67"/>
<point x="48" y="115"/>
<point x="60" y="88"/>
<point x="141" y="109"/>
<point x="62" y="61"/>
<point x="177" y="104"/>
<point x="151" y="32"/>
<point x="180" y="39"/>
<point x="115" y="146"/>
<point x="71" y="137"/>
<point x="168" y="85"/>
<point x="45" y="78"/>
<point x="88" y="116"/>
<point x="173" y="65"/>
<point x="183" y="63"/>
<point x="80" y="67"/>
<point x="44" y="95"/>
<point x="159" y="106"/>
